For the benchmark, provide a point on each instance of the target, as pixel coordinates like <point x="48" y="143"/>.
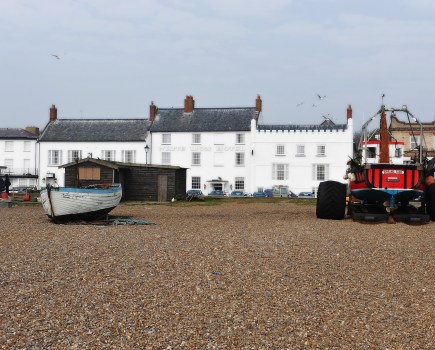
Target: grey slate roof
<point x="15" y="133"/>
<point x="94" y="130"/>
<point x="203" y="119"/>
<point x="295" y="127"/>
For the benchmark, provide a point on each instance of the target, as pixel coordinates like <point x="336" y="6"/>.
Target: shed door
<point x="162" y="190"/>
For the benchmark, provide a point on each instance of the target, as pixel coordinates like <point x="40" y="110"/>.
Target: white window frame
<point x="166" y="139"/>
<point x="72" y="156"/>
<point x="108" y="155"/>
<point x="280" y="150"/>
<point x="9" y="146"/>
<point x="321" y="151"/>
<point x="240" y="139"/>
<point x="196" y="182"/>
<point x="300" y="150"/>
<point x="280" y="171"/>
<point x="196" y="158"/>
<point x="9" y="163"/>
<point x="239" y="183"/>
<point x="26" y="146"/>
<point x="240" y="158"/>
<point x="196" y="139"/>
<point x="166" y="158"/>
<point x="414" y="143"/>
<point x="320" y="174"/>
<point x="54" y="157"/>
<point x="128" y="156"/>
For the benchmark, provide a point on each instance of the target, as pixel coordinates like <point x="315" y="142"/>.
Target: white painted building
<point x="226" y="149"/>
<point x="222" y="148"/>
<point x="64" y="140"/>
<point x="18" y="156"/>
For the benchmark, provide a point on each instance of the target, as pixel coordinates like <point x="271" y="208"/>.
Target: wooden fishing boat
<point x="88" y="203"/>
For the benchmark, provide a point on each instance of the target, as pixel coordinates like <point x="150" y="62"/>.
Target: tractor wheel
<point x="430" y="201"/>
<point x="331" y="200"/>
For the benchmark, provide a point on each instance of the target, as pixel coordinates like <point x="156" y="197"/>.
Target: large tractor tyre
<point x="430" y="201"/>
<point x="331" y="200"/>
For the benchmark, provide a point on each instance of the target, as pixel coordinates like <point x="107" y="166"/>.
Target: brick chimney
<point x="53" y="113"/>
<point x="189" y="104"/>
<point x="258" y="104"/>
<point x="349" y="112"/>
<point x="153" y="110"/>
<point x="33" y="130"/>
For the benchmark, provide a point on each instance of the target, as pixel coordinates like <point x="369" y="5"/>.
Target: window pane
<point x="166" y="158"/>
<point x="240" y="183"/>
<point x="240" y="159"/>
<point x="196" y="138"/>
<point x="166" y="138"/>
<point x="196" y="158"/>
<point x="196" y="182"/>
<point x="240" y="138"/>
<point x="280" y="150"/>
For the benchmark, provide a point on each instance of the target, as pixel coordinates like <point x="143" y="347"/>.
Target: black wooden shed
<point x="141" y="182"/>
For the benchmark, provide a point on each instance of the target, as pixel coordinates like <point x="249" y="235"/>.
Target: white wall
<point x="21" y="159"/>
<point x="260" y="155"/>
<point x="87" y="148"/>
<point x="218" y="151"/>
<point x="338" y="149"/>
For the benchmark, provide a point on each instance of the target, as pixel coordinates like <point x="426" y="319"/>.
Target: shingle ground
<point x="234" y="275"/>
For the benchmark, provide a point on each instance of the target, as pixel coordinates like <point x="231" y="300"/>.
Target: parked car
<point x="237" y="194"/>
<point x="292" y="194"/>
<point x="191" y="194"/>
<point x="260" y="195"/>
<point x="269" y="192"/>
<point x="305" y="195"/>
<point x="217" y="194"/>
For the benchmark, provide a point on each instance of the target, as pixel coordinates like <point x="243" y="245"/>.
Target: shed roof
<point x="94" y="130"/>
<point x="204" y="119"/>
<point x="117" y="165"/>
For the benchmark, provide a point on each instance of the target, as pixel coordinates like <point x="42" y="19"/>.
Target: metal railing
<point x="19" y="171"/>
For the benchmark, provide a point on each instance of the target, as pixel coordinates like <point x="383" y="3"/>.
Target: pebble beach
<point x="229" y="274"/>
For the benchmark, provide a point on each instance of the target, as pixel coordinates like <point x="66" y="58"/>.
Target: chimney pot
<point x="258" y="104"/>
<point x="349" y="112"/>
<point x="153" y="110"/>
<point x="189" y="104"/>
<point x="53" y="113"/>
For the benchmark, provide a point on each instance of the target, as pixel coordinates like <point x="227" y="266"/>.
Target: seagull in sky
<point x="55" y="56"/>
<point x="300" y="104"/>
<point x="314" y="105"/>
<point x="321" y="97"/>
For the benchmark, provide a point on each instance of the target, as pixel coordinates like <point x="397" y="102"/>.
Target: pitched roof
<point x="15" y="133"/>
<point x="203" y="119"/>
<point x="118" y="165"/>
<point x="94" y="130"/>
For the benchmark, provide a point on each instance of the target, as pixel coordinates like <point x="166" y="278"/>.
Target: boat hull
<point x="68" y="204"/>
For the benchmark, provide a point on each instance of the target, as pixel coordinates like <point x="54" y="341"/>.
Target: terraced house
<point x="222" y="148"/>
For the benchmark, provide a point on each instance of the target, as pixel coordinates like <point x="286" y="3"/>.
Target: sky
<point x="115" y="57"/>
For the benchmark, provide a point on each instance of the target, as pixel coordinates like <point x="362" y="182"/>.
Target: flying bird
<point x="55" y="56"/>
<point x="300" y="104"/>
<point x="321" y="97"/>
<point x="314" y="105"/>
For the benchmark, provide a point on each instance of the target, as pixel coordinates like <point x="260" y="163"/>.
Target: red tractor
<point x="380" y="190"/>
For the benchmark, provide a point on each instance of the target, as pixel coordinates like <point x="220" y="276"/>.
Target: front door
<point x="162" y="188"/>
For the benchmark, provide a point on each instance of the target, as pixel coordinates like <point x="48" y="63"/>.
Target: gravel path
<point x="229" y="276"/>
